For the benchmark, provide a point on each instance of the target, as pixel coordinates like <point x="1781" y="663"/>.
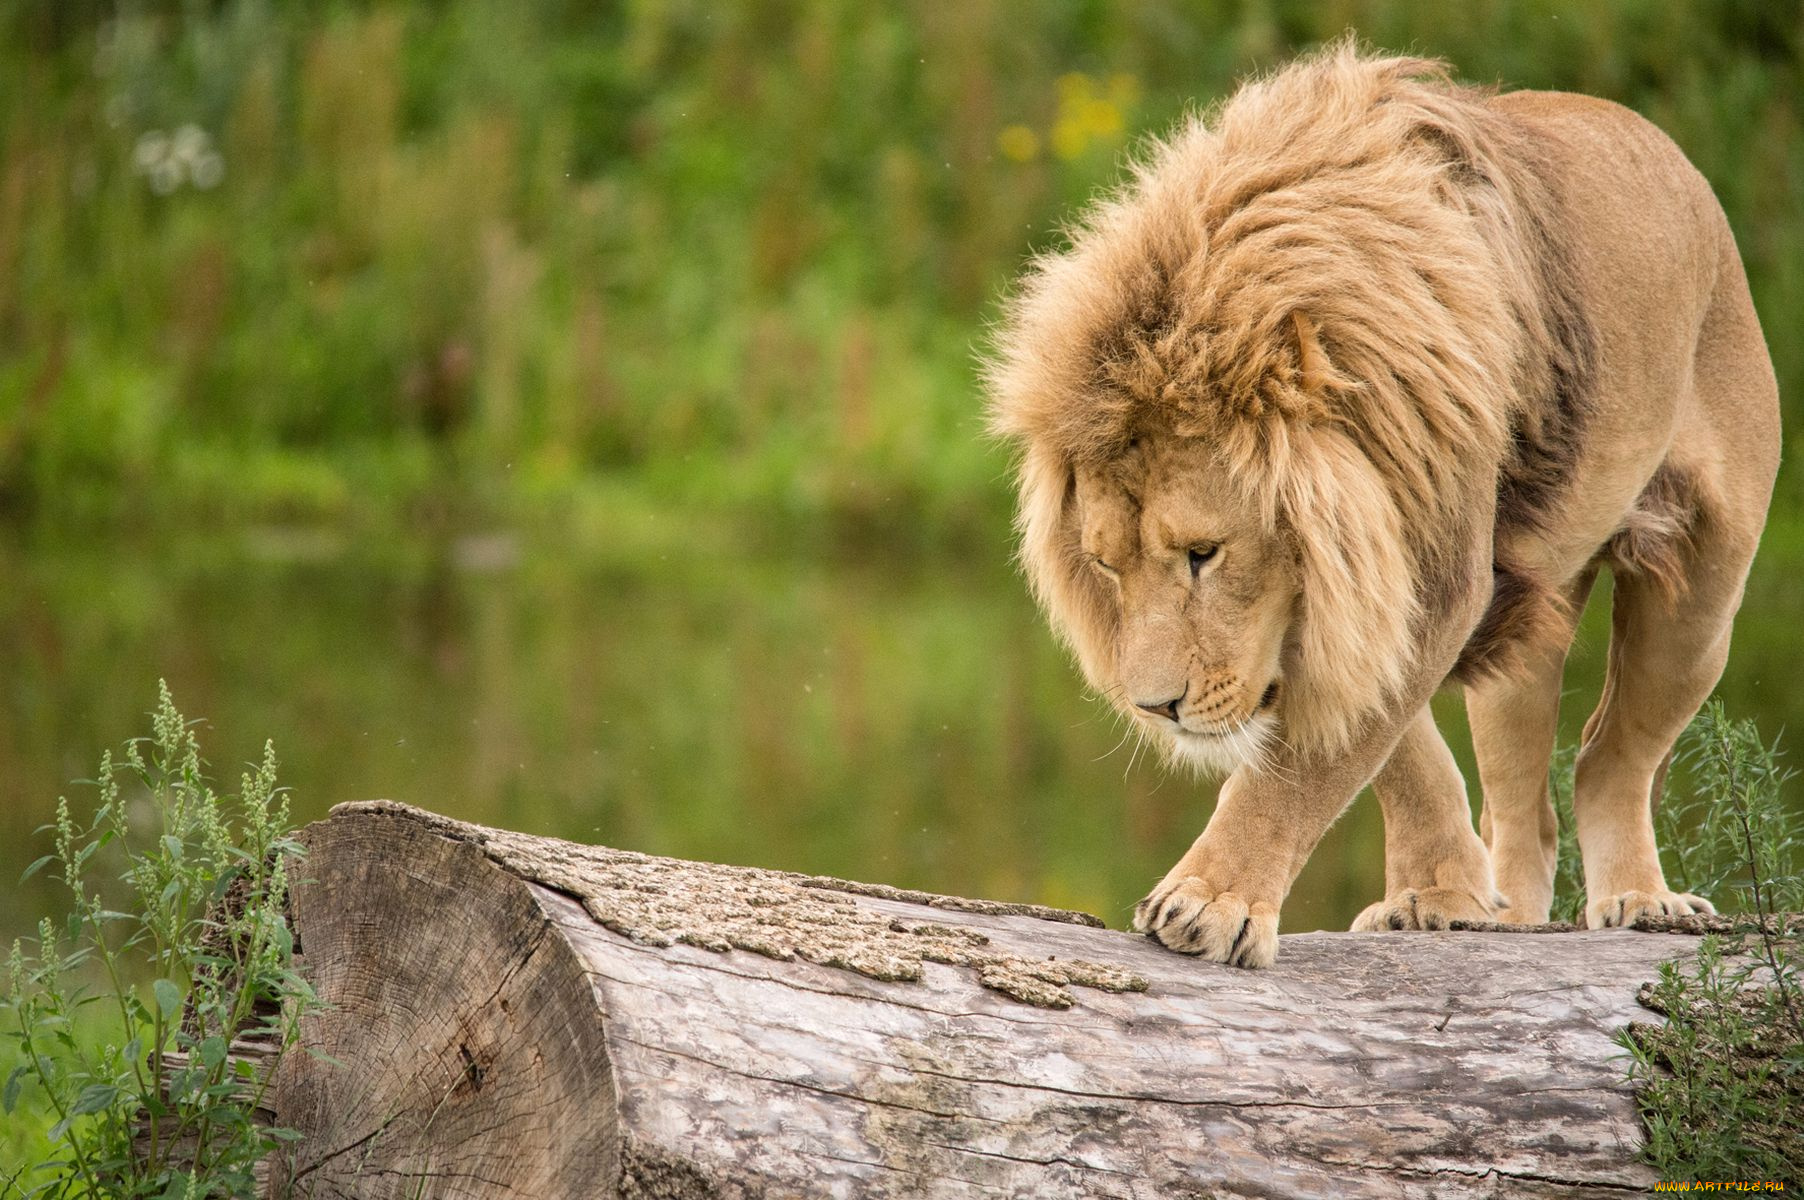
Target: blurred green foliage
<point x="367" y="260"/>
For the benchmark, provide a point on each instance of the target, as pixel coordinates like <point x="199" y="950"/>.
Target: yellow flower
<point x="1018" y="143"/>
<point x="1069" y="138"/>
<point x="1089" y="114"/>
<point x="1101" y="118"/>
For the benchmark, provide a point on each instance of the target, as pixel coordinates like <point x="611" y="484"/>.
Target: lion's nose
<point x="1164" y="708"/>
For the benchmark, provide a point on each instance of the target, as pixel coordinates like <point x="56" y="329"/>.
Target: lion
<point x="1349" y="393"/>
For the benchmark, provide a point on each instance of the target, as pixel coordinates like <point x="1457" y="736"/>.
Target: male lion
<point x="1351" y="391"/>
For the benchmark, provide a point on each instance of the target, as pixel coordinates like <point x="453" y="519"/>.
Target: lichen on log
<point x="777" y="914"/>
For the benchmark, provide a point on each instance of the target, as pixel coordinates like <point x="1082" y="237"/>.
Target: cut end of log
<point x="462" y="1039"/>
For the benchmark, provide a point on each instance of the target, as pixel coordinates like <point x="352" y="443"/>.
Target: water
<point x="899" y="718"/>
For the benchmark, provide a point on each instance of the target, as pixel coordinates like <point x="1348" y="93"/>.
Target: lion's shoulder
<point x="1589" y="140"/>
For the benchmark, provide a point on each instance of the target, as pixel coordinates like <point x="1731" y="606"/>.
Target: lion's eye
<point x="1202" y="556"/>
<point x="1097" y="562"/>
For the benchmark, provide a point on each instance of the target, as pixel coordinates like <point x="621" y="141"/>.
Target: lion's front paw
<point x="1624" y="907"/>
<point x="1422" y="908"/>
<point x="1188" y="916"/>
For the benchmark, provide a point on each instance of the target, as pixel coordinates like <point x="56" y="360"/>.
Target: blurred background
<point x="563" y="415"/>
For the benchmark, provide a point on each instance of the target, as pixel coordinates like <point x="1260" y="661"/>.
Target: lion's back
<point x="1637" y="207"/>
<point x="1683" y="372"/>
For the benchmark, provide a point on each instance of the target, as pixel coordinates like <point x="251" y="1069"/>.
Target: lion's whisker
<point x="1127" y="733"/>
<point x="1143" y="740"/>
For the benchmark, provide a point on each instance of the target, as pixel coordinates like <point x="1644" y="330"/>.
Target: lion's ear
<point x="1312" y="360"/>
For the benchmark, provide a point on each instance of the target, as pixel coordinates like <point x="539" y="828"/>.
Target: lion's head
<point x="1220" y="604"/>
<point x="1261" y="401"/>
<point x="1202" y="593"/>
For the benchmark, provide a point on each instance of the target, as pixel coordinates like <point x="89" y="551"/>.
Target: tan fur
<point x="1366" y="332"/>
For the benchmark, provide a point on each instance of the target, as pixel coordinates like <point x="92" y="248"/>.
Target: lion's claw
<point x="1221" y="926"/>
<point x="1623" y="908"/>
<point x="1421" y="908"/>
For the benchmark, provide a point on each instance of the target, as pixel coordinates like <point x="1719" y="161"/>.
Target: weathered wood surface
<point x="506" y="1023"/>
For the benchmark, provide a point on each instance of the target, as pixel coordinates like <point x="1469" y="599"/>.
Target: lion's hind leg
<point x="1680" y="561"/>
<point x="1669" y="642"/>
<point x="1436" y="870"/>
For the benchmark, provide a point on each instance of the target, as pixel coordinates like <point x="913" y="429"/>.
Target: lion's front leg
<point x="1436" y="869"/>
<point x="1221" y="900"/>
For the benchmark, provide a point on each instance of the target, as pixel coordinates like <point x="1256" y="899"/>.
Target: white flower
<point x="152" y="148"/>
<point x="207" y="171"/>
<point x="189" y="143"/>
<point x="167" y="161"/>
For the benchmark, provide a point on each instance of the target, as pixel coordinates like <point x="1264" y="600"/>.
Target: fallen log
<point x="518" y="1016"/>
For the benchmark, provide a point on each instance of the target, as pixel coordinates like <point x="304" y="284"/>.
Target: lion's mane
<point x="1409" y="226"/>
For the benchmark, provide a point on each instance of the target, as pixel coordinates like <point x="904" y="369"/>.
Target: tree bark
<point x="518" y="1016"/>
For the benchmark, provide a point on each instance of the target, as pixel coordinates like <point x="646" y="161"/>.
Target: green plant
<point x="1722" y="822"/>
<point x="1568" y="873"/>
<point x="1730" y="835"/>
<point x="1720" y="1085"/>
<point x="126" y="1019"/>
